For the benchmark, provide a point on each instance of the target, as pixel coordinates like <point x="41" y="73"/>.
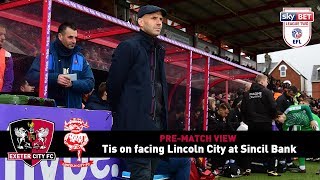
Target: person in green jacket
<point x="315" y="117"/>
<point x="301" y="118"/>
<point x="300" y="115"/>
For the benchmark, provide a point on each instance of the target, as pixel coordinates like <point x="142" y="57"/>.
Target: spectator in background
<point x="206" y="49"/>
<point x="247" y="87"/>
<point x="234" y="117"/>
<point x="286" y="99"/>
<point x="137" y="86"/>
<point x="65" y="58"/>
<point x="24" y="86"/>
<point x="285" y="87"/>
<point x="277" y="93"/>
<point x="177" y="120"/>
<point x="85" y="98"/>
<point x="6" y="64"/>
<point x="211" y="109"/>
<point x="238" y="98"/>
<point x="220" y="121"/>
<point x="196" y="119"/>
<point x="99" y="100"/>
<point x="302" y="97"/>
<point x="211" y="113"/>
<point x="272" y="83"/>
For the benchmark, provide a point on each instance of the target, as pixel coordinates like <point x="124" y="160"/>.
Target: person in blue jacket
<point x="65" y="61"/>
<point x="137" y="85"/>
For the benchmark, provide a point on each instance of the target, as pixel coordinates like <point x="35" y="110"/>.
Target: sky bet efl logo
<point x="297" y="26"/>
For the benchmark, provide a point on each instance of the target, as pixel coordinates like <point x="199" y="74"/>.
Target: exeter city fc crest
<point x="297" y="26"/>
<point x="31" y="139"/>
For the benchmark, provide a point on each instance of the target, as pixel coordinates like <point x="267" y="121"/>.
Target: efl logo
<point x="297" y="26"/>
<point x="31" y="139"/>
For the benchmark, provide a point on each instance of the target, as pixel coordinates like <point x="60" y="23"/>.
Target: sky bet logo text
<point x="297" y="16"/>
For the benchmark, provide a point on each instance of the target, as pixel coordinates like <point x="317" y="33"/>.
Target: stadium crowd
<point x="233" y="115"/>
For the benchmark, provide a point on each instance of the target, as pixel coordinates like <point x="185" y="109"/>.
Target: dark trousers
<point x="217" y="161"/>
<point x="244" y="162"/>
<point x="177" y="168"/>
<point x="260" y="126"/>
<point x="264" y="127"/>
<point x="142" y="168"/>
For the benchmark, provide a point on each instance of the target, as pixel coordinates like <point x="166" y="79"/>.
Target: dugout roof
<point x="252" y="25"/>
<point x="100" y="34"/>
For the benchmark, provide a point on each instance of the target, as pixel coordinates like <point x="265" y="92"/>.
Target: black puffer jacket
<point x="258" y="105"/>
<point x="283" y="102"/>
<point x="96" y="103"/>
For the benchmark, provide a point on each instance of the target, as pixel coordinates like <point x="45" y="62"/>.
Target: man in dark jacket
<point x="220" y="121"/>
<point x="258" y="106"/>
<point x="234" y="117"/>
<point x="70" y="75"/>
<point x="283" y="103"/>
<point x="286" y="99"/>
<point x="137" y="85"/>
<point x="258" y="109"/>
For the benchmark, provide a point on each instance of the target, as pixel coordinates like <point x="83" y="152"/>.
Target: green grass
<point x="311" y="168"/>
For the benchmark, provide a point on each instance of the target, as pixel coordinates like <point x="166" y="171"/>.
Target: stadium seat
<point x="126" y="174"/>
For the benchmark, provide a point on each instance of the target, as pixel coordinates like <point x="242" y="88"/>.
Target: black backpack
<point x="231" y="170"/>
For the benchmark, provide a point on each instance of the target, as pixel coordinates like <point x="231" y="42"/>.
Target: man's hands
<point x="314" y="124"/>
<point x="64" y="80"/>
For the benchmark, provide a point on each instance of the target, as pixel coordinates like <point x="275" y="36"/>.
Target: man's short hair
<point x="102" y="88"/>
<point x="307" y="100"/>
<point x="260" y="77"/>
<point x="3" y="26"/>
<point x="303" y="97"/>
<point x="293" y="89"/>
<point x="240" y="92"/>
<point x="18" y="83"/>
<point x="224" y="106"/>
<point x="210" y="101"/>
<point x="66" y="25"/>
